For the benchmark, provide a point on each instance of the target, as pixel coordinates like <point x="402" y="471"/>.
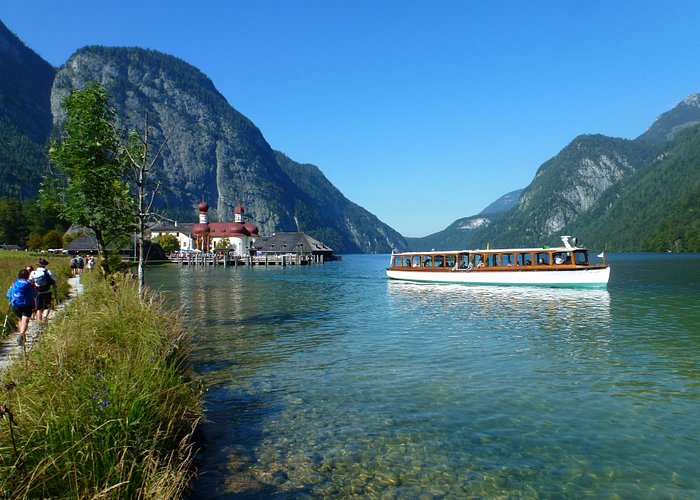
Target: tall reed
<point x="105" y="406"/>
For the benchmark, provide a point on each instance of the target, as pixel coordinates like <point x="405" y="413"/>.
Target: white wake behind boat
<point x="567" y="265"/>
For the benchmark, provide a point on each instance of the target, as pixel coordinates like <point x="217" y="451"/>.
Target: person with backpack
<point x="22" y="295"/>
<point x="43" y="280"/>
<point x="73" y="266"/>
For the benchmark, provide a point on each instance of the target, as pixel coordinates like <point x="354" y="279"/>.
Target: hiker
<point x="91" y="263"/>
<point x="73" y="266"/>
<point x="43" y="280"/>
<point x="22" y="295"/>
<point x="81" y="265"/>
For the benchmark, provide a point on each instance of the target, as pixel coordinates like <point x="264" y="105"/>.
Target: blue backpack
<point x="21" y="294"/>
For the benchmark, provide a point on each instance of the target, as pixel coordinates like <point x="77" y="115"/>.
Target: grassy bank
<point x="104" y="406"/>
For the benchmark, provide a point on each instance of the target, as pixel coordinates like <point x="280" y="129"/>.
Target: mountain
<point x="215" y="153"/>
<point x="504" y="203"/>
<point x="613" y="193"/>
<point x="25" y="116"/>
<point x="337" y="212"/>
<point x="656" y="209"/>
<point x="685" y="114"/>
<point x="24" y="87"/>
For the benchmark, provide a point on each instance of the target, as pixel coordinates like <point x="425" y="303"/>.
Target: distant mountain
<point x="217" y="154"/>
<point x="345" y="224"/>
<point x="504" y="203"/>
<point x="685" y="114"/>
<point x="612" y="193"/>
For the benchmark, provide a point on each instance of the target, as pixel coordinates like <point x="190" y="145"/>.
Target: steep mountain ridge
<point x="667" y="125"/>
<point x="25" y="118"/>
<point x="213" y="151"/>
<point x="25" y="87"/>
<point x="334" y="207"/>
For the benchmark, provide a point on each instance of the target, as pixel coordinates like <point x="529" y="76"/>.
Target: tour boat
<point x="567" y="265"/>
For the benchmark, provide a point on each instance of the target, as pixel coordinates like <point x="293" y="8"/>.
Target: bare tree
<point x="137" y="153"/>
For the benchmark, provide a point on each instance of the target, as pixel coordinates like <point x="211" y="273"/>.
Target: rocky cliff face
<point x="572" y="181"/>
<point x="213" y="152"/>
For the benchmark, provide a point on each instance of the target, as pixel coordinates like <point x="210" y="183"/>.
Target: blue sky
<point x="421" y="112"/>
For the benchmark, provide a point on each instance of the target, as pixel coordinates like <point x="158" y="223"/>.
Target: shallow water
<point x="330" y="381"/>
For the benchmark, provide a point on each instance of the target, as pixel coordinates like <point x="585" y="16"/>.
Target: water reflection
<point x="332" y="382"/>
<point x="549" y="308"/>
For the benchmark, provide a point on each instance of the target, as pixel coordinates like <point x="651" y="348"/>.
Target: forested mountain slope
<point x="656" y="209"/>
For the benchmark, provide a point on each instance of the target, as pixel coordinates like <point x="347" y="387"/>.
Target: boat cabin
<point x="503" y="259"/>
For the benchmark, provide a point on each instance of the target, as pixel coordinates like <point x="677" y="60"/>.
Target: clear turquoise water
<point x="330" y="381"/>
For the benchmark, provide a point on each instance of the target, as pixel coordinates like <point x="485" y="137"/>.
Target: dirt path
<point x="9" y="350"/>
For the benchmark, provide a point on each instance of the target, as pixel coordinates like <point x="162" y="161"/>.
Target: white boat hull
<point x="560" y="277"/>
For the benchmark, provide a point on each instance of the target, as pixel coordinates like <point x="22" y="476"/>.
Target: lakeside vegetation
<point x="104" y="405"/>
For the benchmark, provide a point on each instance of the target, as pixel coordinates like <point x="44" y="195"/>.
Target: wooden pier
<point x="228" y="260"/>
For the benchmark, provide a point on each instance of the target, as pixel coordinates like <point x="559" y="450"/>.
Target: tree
<point x="136" y="154"/>
<point x="52" y="239"/>
<point x="91" y="189"/>
<point x="12" y="229"/>
<point x="168" y="242"/>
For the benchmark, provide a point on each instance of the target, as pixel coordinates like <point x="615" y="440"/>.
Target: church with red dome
<point x="236" y="237"/>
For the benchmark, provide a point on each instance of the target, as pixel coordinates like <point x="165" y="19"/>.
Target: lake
<point x="331" y="381"/>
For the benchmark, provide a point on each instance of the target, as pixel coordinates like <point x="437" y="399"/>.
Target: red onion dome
<point x="251" y="228"/>
<point x="200" y="228"/>
<point x="239" y="228"/>
<point x="239" y="209"/>
<point x="203" y="206"/>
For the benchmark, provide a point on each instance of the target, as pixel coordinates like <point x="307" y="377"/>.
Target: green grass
<point x="104" y="406"/>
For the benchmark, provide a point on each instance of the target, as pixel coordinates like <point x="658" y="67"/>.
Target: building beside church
<point x="236" y="237"/>
<point x="295" y="243"/>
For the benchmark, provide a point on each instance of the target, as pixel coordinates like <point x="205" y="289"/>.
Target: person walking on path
<point x="43" y="280"/>
<point x="21" y="295"/>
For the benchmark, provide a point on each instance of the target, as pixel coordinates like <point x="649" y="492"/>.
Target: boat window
<point x="407" y="262"/>
<point x="542" y="259"/>
<point x="581" y="257"/>
<point x="507" y="259"/>
<point x="524" y="259"/>
<point x="560" y="257"/>
<point x="397" y="261"/>
<point x="479" y="260"/>
<point x="494" y="259"/>
<point x="463" y="261"/>
<point x="439" y="260"/>
<point x="415" y="261"/>
<point x="428" y="261"/>
<point x="450" y="261"/>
